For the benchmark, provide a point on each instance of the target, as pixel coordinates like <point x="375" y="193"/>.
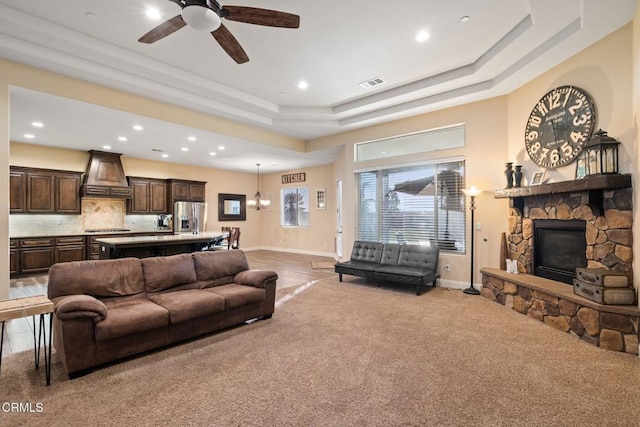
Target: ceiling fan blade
<point x="230" y="45"/>
<point x="163" y="30"/>
<point x="254" y="15"/>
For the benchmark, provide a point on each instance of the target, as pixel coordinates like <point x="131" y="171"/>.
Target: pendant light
<point x="258" y="202"/>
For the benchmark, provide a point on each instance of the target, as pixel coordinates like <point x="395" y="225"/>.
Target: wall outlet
<point x="447" y="267"/>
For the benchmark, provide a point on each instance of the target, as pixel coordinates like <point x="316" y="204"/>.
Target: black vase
<point x="517" y="176"/>
<point x="508" y="172"/>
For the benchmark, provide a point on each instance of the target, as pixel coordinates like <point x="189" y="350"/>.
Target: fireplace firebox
<point x="559" y="247"/>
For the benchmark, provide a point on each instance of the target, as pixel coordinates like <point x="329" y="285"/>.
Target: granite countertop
<point x="60" y="233"/>
<point x="182" y="237"/>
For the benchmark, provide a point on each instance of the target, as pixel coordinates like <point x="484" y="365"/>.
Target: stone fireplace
<point x="608" y="229"/>
<point x="599" y="210"/>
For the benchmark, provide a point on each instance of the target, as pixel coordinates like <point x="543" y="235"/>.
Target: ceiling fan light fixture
<point x="201" y="18"/>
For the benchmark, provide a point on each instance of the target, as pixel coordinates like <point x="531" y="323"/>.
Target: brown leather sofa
<point x="110" y="309"/>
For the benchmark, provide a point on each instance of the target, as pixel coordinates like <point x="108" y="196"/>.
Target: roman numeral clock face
<point x="559" y="126"/>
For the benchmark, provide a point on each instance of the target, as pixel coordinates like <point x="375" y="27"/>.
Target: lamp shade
<point x="201" y="18"/>
<point x="472" y="192"/>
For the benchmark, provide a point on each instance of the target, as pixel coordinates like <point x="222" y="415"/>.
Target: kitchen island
<point x="148" y="246"/>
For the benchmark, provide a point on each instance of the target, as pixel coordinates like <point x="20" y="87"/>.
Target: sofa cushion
<point x="188" y="304"/>
<point x="412" y="275"/>
<point x="238" y="295"/>
<point x="128" y="316"/>
<point x="390" y="254"/>
<point x="101" y="279"/>
<point x="366" y="251"/>
<point x="219" y="267"/>
<point x="167" y="272"/>
<point x="419" y="256"/>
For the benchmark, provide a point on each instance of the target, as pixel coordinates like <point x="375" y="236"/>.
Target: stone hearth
<point x="612" y="327"/>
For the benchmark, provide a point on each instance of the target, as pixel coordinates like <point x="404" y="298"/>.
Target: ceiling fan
<point x="206" y="15"/>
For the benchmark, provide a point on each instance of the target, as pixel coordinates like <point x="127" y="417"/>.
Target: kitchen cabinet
<point x="40" y="191"/>
<point x="17" y="191"/>
<point x="14" y="265"/>
<point x="70" y="248"/>
<point x="36" y="255"/>
<point x="67" y="193"/>
<point x="44" y="191"/>
<point x="149" y="196"/>
<point x="185" y="191"/>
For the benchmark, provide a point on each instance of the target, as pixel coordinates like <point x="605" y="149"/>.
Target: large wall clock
<point x="559" y="126"/>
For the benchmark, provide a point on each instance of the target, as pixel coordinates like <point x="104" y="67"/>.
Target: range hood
<point x="105" y="177"/>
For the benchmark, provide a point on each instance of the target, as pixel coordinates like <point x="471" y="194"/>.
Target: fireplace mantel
<point x="591" y="188"/>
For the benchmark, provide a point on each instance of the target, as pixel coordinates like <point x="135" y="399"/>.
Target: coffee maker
<point x="164" y="222"/>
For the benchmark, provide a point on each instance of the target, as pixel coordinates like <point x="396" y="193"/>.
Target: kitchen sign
<point x="292" y="178"/>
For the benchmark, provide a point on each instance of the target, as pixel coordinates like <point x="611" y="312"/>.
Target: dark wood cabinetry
<point x="105" y="176"/>
<point x="149" y="196"/>
<point x="40" y="192"/>
<point x="36" y="255"/>
<point x="67" y="193"/>
<point x="17" y="191"/>
<point x="14" y="265"/>
<point x="185" y="191"/>
<point x="44" y="191"/>
<point x="70" y="248"/>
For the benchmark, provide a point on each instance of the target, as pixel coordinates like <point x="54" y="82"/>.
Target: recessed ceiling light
<point x="422" y="36"/>
<point x="122" y="138"/>
<point x="37" y="124"/>
<point x="464" y="19"/>
<point x="192" y="138"/>
<point x="153" y="13"/>
<point x="29" y="135"/>
<point x="165" y="155"/>
<point x="137" y="127"/>
<point x="303" y="85"/>
<point x="106" y="147"/>
<point x="185" y="149"/>
<point x="220" y="147"/>
<point x="213" y="153"/>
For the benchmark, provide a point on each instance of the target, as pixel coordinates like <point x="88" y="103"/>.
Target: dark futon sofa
<point x="414" y="265"/>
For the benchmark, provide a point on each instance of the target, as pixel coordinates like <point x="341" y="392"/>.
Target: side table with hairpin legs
<point x="31" y="306"/>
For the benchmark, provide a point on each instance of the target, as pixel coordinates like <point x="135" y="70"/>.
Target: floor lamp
<point x="472" y="193"/>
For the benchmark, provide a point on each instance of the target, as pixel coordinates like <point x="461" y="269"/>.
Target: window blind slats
<point x="416" y="204"/>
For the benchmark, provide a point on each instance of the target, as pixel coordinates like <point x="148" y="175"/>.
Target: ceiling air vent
<point x="371" y="83"/>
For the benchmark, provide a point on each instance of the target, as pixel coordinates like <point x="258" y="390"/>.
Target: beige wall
<point x="218" y="181"/>
<point x="494" y="136"/>
<point x="495" y="130"/>
<point x="485" y="154"/>
<point x="604" y="70"/>
<point x="635" y="153"/>
<point x="4" y="188"/>
<point x="319" y="237"/>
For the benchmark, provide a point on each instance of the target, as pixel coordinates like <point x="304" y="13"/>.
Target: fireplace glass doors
<point x="559" y="247"/>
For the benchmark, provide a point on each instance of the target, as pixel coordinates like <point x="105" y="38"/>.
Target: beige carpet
<point x="322" y="264"/>
<point x="350" y="355"/>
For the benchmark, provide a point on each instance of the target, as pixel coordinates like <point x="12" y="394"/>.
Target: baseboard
<point x="331" y="255"/>
<point x="455" y="284"/>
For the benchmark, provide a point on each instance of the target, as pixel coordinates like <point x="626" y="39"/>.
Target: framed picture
<point x="231" y="207"/>
<point x="581" y="166"/>
<point x="538" y="177"/>
<point x="321" y="198"/>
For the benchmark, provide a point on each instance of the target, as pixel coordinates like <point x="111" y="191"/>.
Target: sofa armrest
<point x="79" y="306"/>
<point x="257" y="278"/>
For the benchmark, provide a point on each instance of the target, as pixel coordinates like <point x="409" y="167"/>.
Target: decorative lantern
<point x="601" y="154"/>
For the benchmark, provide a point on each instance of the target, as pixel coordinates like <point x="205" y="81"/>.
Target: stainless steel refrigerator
<point x="189" y="217"/>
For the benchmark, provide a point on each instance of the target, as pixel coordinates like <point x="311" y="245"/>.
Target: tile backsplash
<point x="96" y="214"/>
<point x="103" y="213"/>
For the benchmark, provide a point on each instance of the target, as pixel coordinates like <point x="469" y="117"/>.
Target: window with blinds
<point x="415" y="205"/>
